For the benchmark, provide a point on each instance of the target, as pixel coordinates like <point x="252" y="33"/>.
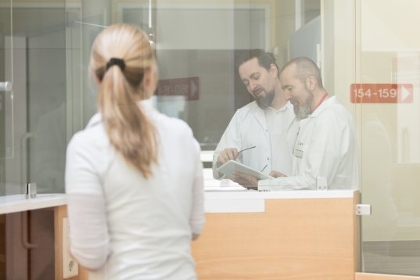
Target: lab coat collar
<point x="330" y="101"/>
<point x="287" y="106"/>
<point x="260" y="114"/>
<point x="97" y="118"/>
<point x="146" y="104"/>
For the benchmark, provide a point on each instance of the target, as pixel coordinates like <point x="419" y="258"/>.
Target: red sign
<point x="188" y="87"/>
<point x="381" y="93"/>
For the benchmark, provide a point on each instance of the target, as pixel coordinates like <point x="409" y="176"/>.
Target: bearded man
<point x="326" y="144"/>
<point x="262" y="133"/>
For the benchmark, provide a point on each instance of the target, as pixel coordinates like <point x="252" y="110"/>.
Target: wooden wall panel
<point x="60" y="213"/>
<point x="2" y="246"/>
<point x="313" y="239"/>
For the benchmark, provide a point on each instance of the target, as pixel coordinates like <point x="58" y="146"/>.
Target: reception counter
<point x="279" y="235"/>
<point x="253" y="235"/>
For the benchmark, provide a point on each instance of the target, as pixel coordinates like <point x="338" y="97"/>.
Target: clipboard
<point x="228" y="167"/>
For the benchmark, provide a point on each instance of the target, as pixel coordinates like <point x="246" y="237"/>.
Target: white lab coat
<point x="326" y="146"/>
<point x="248" y="127"/>
<point x="125" y="224"/>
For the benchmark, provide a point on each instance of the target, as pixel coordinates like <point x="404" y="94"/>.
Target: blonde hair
<point x="121" y="87"/>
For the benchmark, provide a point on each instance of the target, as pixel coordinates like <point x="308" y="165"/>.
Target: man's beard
<point x="265" y="101"/>
<point x="304" y="110"/>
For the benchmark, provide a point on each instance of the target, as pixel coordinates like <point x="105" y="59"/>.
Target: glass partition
<point x="32" y="114"/>
<point x="46" y="95"/>
<point x="196" y="46"/>
<point x="6" y="93"/>
<point x="388" y="79"/>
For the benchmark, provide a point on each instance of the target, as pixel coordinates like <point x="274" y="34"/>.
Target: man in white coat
<point x="326" y="143"/>
<point x="264" y="129"/>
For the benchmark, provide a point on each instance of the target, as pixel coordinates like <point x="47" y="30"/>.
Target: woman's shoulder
<point x="92" y="136"/>
<point x="174" y="125"/>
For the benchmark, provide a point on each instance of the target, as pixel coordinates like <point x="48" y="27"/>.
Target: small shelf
<point x="19" y="203"/>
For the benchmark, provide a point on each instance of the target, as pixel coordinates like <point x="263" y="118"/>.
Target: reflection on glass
<point x="49" y="151"/>
<point x="390" y="139"/>
<point x="47" y="110"/>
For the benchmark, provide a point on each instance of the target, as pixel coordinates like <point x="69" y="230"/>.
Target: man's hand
<point x="226" y="155"/>
<point x="245" y="180"/>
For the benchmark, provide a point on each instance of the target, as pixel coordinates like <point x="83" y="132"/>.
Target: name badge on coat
<point x="298" y="150"/>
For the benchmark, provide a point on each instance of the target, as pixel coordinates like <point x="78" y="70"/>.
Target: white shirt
<point x="127" y="226"/>
<point x="326" y="146"/>
<point x="273" y="132"/>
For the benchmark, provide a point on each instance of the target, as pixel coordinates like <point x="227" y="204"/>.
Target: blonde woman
<point x="133" y="176"/>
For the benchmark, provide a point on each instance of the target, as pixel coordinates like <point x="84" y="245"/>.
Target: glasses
<point x="264" y="168"/>
<point x="249" y="148"/>
<point x="246" y="149"/>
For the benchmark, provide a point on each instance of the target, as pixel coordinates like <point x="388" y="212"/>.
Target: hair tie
<point x="115" y="61"/>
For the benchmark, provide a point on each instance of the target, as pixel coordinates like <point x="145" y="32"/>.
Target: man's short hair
<point x="305" y="67"/>
<point x="265" y="59"/>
